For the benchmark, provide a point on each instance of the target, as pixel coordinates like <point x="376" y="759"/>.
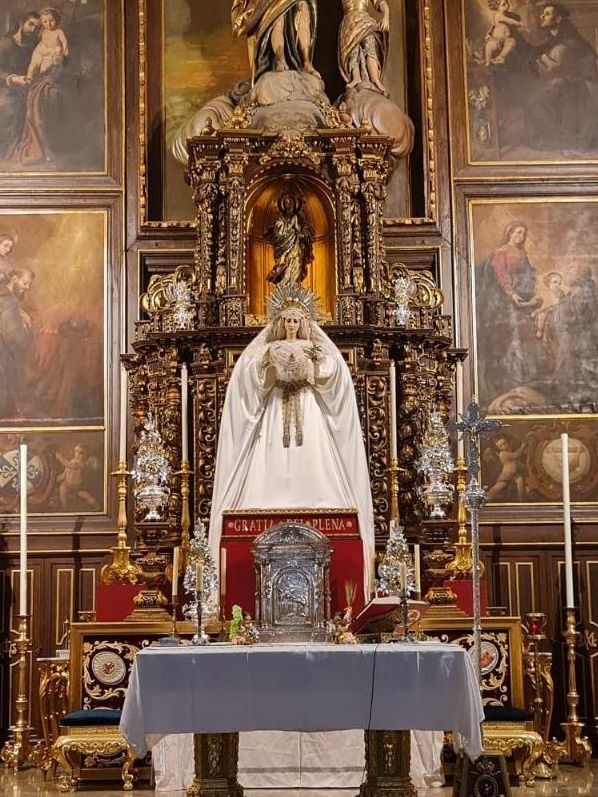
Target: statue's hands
<point x="314" y="352"/>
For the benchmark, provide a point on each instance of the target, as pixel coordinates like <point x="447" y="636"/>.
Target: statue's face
<point x="291" y="325"/>
<point x="287" y="204"/>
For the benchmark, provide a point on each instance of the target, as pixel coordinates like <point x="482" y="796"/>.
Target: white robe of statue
<point x="290" y="436"/>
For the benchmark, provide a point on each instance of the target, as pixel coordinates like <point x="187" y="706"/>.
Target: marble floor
<point x="30" y="783"/>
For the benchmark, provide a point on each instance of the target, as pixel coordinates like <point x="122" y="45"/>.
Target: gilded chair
<point x="508" y="726"/>
<point x="90" y="746"/>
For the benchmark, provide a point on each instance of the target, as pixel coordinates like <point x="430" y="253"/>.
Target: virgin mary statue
<point x="290" y="436"/>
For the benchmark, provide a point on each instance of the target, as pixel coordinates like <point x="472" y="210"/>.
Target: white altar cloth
<point x="302" y="687"/>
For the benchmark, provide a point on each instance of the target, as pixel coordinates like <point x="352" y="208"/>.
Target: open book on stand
<point x="385" y="614"/>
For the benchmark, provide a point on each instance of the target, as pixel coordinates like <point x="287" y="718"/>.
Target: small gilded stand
<point x="17" y="749"/>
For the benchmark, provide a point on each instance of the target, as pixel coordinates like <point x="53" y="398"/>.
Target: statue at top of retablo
<point x="363" y="46"/>
<point x="280" y="34"/>
<point x="363" y="43"/>
<point x="291" y="235"/>
<point x="290" y="435"/>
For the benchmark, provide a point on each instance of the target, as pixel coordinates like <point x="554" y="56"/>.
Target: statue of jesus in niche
<point x="280" y="34"/>
<point x="291" y="235"/>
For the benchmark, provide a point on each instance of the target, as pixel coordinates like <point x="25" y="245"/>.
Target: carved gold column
<point x="388" y="762"/>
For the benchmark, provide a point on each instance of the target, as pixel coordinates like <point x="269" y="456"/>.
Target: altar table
<point x="224" y="689"/>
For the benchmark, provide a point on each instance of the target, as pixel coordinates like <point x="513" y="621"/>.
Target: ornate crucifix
<point x="474" y="425"/>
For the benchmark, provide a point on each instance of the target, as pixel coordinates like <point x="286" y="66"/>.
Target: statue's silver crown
<point x="292" y="295"/>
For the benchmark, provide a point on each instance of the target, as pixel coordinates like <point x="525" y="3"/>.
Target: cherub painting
<point x="511" y="475"/>
<point x="71" y="482"/>
<point x="500" y="41"/>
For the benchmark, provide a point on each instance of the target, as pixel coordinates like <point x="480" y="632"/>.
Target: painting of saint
<point x="52" y="318"/>
<point x="52" y="94"/>
<point x="65" y="472"/>
<point x="532" y="80"/>
<point x="536" y="306"/>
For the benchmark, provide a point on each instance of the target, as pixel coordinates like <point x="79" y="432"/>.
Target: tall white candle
<point x="184" y="403"/>
<point x="460" y="390"/>
<point x="403" y="577"/>
<point x="417" y="569"/>
<point x="393" y="411"/>
<point x="23" y="529"/>
<point x="175" y="573"/>
<point x="124" y="385"/>
<point x="222" y="577"/>
<point x="199" y="579"/>
<point x="567" y="523"/>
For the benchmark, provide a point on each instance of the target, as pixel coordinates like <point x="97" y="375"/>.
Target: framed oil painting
<point x="531" y="81"/>
<point x="60" y="289"/>
<point x="533" y="310"/>
<point x="534" y="265"/>
<point x="52" y="317"/>
<point x="65" y="472"/>
<point x="522" y="463"/>
<point x="59" y="79"/>
<point x="189" y="57"/>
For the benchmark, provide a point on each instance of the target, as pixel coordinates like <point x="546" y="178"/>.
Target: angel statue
<point x="292" y="238"/>
<point x="280" y="34"/>
<point x="363" y="43"/>
<point x="290" y="435"/>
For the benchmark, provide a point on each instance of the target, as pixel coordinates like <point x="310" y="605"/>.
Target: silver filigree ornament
<point x="183" y="313"/>
<point x="396" y="572"/>
<point x="199" y="553"/>
<point x="151" y="471"/>
<point x="436" y="464"/>
<point x="403" y="289"/>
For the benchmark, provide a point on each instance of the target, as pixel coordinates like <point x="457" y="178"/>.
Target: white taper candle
<point x="175" y="573"/>
<point x="417" y="569"/>
<point x="460" y="404"/>
<point x="393" y="411"/>
<point x="222" y="577"/>
<point x="23" y="529"/>
<point x="403" y="577"/>
<point x="124" y="394"/>
<point x="184" y="403"/>
<point x="199" y="579"/>
<point x="570" y="601"/>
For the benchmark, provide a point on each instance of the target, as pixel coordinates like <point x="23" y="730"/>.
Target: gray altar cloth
<point x="302" y="687"/>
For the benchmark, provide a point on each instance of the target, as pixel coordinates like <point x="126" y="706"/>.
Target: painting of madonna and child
<point x="532" y="80"/>
<point x="52" y="87"/>
<point x="535" y="265"/>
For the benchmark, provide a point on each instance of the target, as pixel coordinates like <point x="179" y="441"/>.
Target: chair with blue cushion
<point x="90" y="746"/>
<point x="91" y="734"/>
